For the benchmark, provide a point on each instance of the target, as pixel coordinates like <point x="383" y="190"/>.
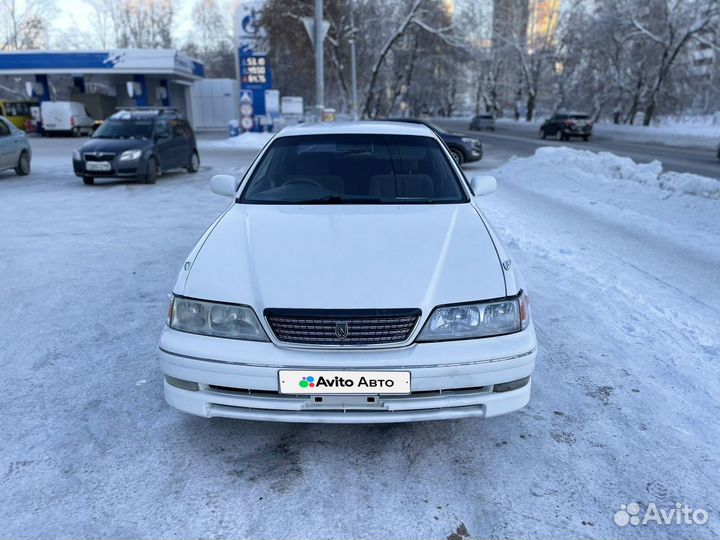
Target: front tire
<point x="543" y="135"/>
<point x="559" y="135"/>
<point x="457" y="155"/>
<point x="153" y="169"/>
<point x="586" y="138"/>
<point x="88" y="180"/>
<point x="23" y="166"/>
<point x="194" y="164"/>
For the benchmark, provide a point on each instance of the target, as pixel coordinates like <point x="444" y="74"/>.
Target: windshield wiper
<point x="337" y="199"/>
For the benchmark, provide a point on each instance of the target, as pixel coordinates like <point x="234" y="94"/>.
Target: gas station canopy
<point x="117" y="61"/>
<point x="104" y="80"/>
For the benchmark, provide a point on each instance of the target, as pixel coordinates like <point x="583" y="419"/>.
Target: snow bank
<point x="604" y="166"/>
<point x="690" y="184"/>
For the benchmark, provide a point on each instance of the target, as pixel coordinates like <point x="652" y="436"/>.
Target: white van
<point x="66" y="116"/>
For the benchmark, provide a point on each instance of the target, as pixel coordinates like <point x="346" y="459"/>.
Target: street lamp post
<point x="319" y="60"/>
<point x="353" y="67"/>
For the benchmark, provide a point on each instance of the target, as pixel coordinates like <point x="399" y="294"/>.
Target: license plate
<point x="319" y="382"/>
<point x="97" y="165"/>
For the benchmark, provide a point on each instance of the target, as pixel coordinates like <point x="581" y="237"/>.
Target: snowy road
<point x="509" y="138"/>
<point x="622" y="277"/>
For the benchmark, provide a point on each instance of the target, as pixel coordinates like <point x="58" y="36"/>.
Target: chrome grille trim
<point x="364" y="327"/>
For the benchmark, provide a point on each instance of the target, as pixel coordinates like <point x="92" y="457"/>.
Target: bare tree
<point x="394" y="36"/>
<point x="25" y="24"/>
<point x="671" y="26"/>
<point x="102" y="17"/>
<point x="211" y="39"/>
<point x="143" y="23"/>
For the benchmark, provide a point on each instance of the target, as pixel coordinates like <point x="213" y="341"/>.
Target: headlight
<point x="129" y="155"/>
<point x="469" y="140"/>
<point x="215" y="319"/>
<point x="77" y="156"/>
<point x="479" y="320"/>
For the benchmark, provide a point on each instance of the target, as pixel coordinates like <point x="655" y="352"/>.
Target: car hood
<point x="341" y="256"/>
<point x="114" y="145"/>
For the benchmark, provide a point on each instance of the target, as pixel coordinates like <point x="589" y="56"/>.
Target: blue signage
<point x="255" y="75"/>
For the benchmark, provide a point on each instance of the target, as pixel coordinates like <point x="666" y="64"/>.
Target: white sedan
<point x="353" y="279"/>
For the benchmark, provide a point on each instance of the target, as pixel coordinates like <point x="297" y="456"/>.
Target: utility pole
<point x="353" y="66"/>
<point x="319" y="60"/>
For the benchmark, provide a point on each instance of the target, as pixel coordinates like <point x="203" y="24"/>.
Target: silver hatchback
<point x="15" y="151"/>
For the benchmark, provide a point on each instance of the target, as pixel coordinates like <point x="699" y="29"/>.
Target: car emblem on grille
<point x="341" y="329"/>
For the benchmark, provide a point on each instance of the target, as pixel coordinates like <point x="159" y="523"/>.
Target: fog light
<point x="512" y="385"/>
<point x="179" y="383"/>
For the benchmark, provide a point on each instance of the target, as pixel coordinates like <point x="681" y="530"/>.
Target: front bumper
<point x="239" y="379"/>
<point x="124" y="169"/>
<point x="474" y="152"/>
<point x="480" y="402"/>
<point x="581" y="132"/>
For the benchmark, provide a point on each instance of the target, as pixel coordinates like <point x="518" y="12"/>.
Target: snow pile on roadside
<point x="568" y="163"/>
<point x="249" y="140"/>
<point x="690" y="184"/>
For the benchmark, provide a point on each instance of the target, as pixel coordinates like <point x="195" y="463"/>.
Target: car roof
<point x="129" y="114"/>
<point x="372" y="127"/>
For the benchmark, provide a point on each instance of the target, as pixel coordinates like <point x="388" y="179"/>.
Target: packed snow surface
<point x="249" y="140"/>
<point x="622" y="275"/>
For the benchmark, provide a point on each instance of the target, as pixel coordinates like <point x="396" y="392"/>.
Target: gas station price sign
<point x="253" y="71"/>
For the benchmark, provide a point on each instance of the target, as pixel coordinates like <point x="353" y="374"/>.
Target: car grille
<point x="342" y="327"/>
<point x="98" y="156"/>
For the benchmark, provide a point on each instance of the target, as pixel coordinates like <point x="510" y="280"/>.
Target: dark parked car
<point x="482" y="121"/>
<point x="562" y="126"/>
<point x="138" y="143"/>
<point x="462" y="148"/>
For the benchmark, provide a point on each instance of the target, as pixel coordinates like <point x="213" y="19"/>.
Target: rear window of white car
<point x="354" y="169"/>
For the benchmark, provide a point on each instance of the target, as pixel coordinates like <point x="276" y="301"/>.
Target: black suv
<point x="138" y="143"/>
<point x="462" y="148"/>
<point x="562" y="126"/>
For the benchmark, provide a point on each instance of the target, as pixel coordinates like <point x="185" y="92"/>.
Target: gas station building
<point x="105" y="80"/>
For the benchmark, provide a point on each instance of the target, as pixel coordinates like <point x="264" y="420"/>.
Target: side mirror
<point x="224" y="184"/>
<point x="483" y="185"/>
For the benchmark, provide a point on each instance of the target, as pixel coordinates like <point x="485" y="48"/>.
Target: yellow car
<point x="18" y="112"/>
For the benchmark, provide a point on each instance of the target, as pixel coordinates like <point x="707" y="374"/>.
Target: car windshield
<point x="124" y="129"/>
<point x="354" y="169"/>
<point x="579" y="116"/>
